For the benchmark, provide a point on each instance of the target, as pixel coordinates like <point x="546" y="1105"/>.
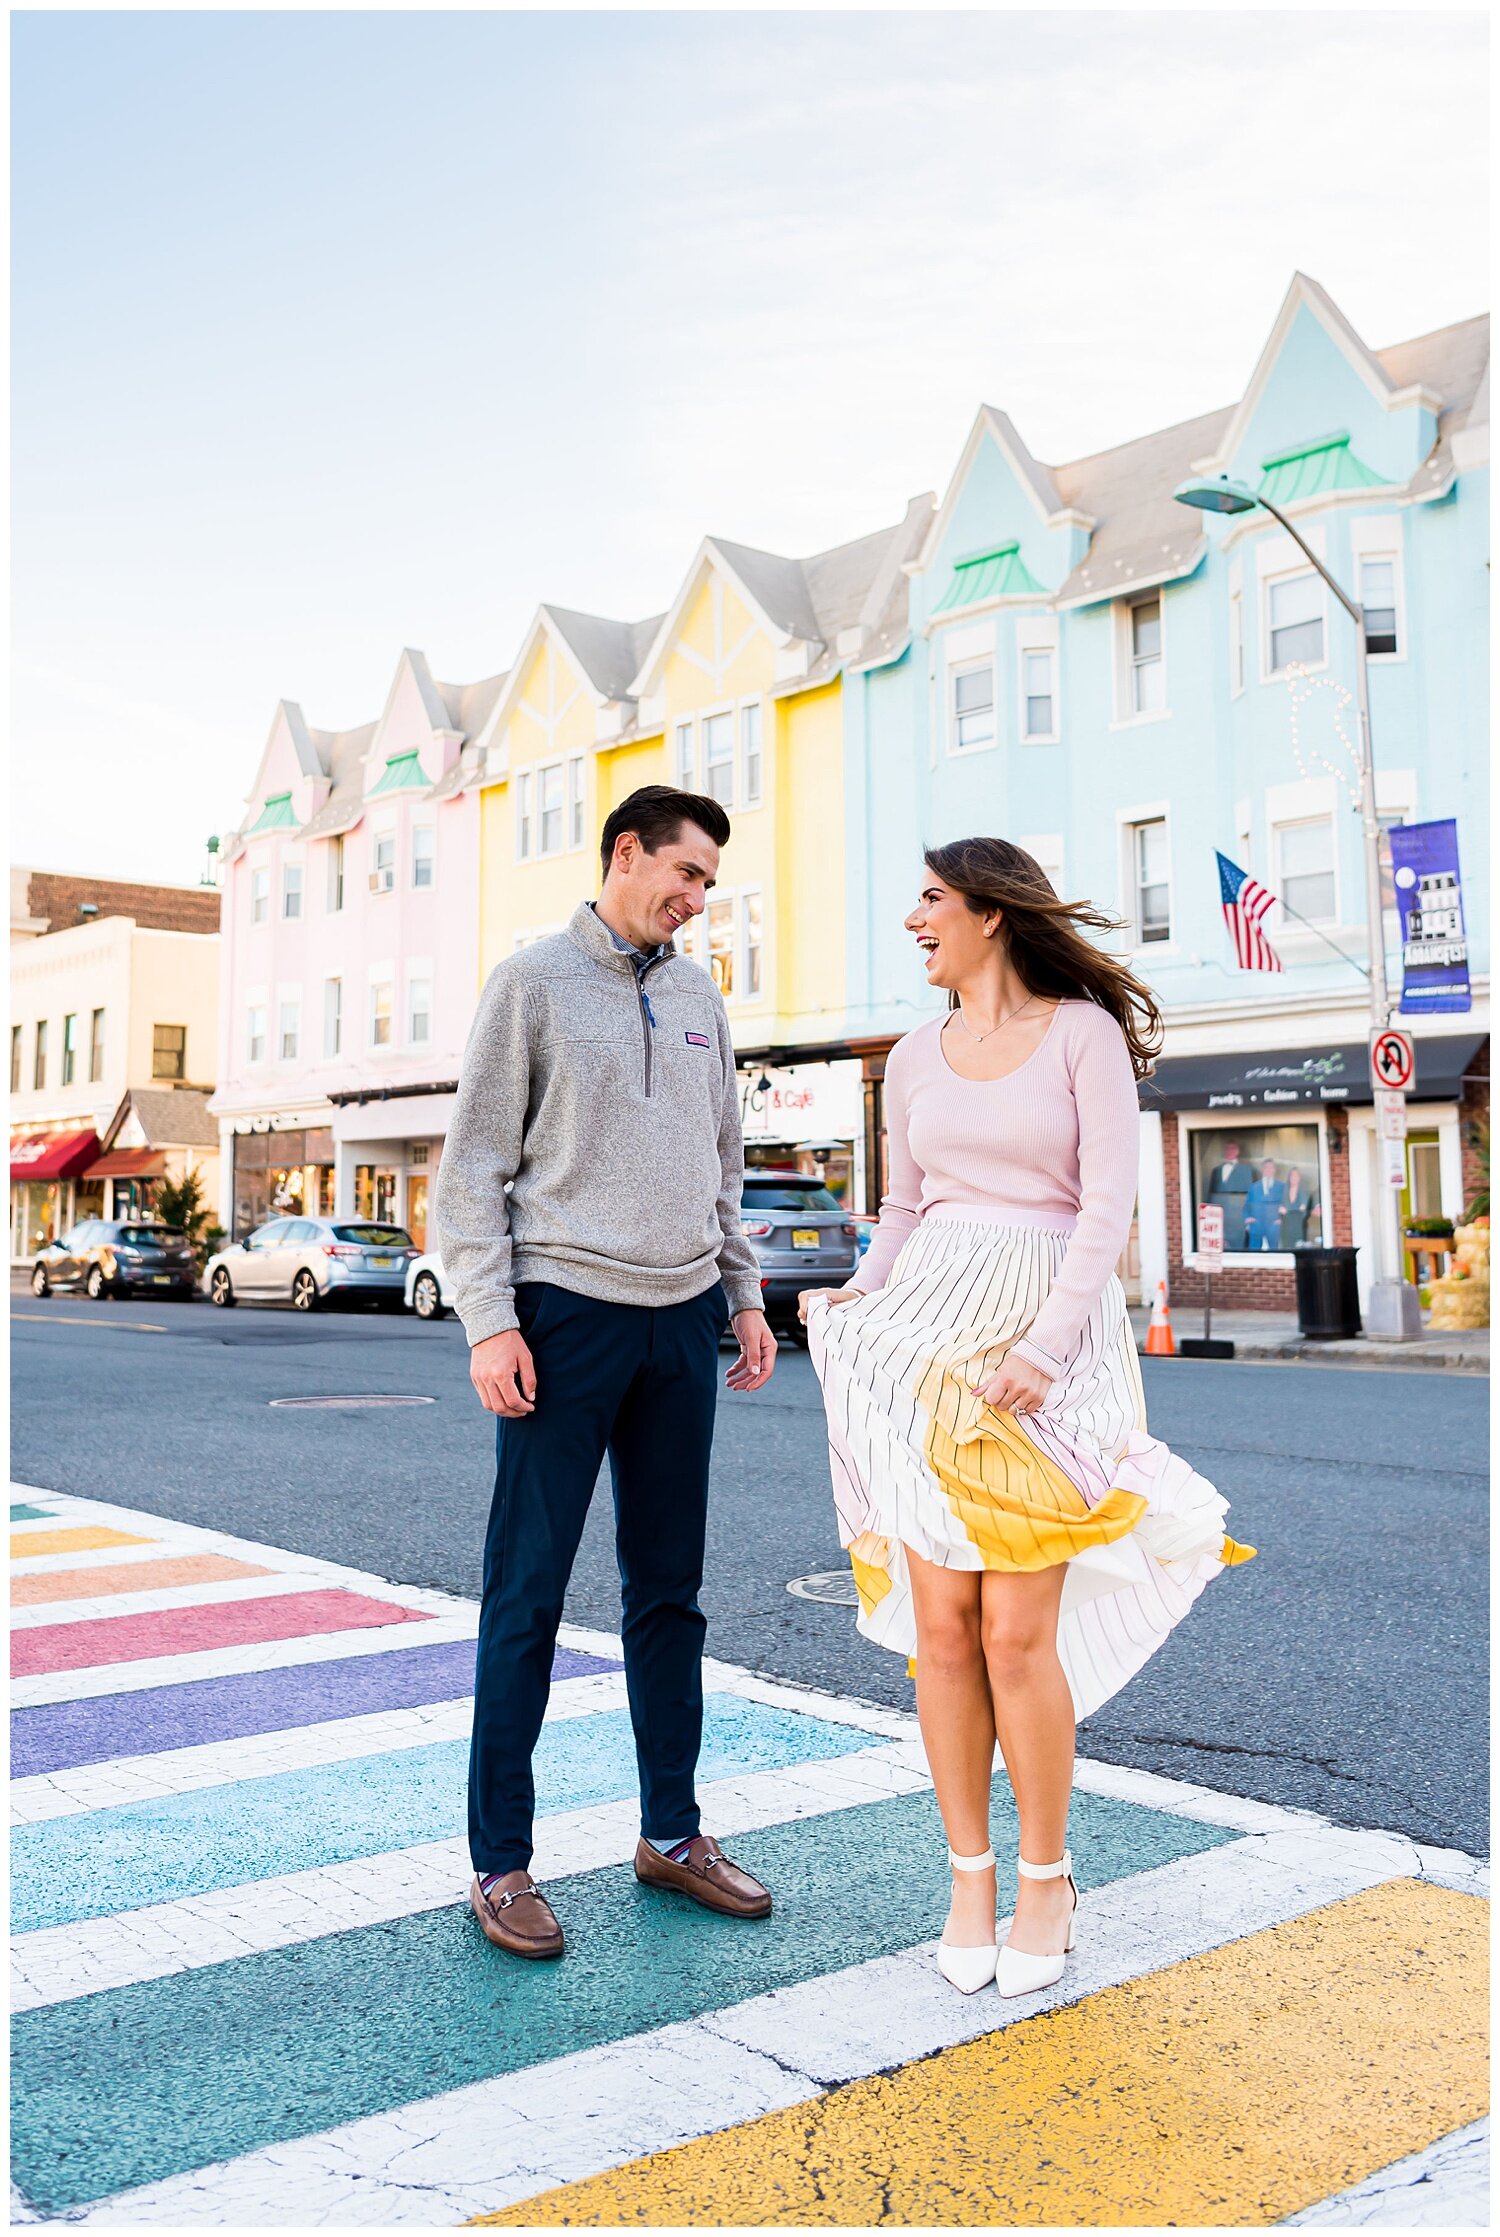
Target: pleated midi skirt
<point x="920" y="1461"/>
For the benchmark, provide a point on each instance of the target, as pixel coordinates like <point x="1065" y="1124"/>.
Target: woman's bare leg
<point x="956" y="1714"/>
<point x="1033" y="1714"/>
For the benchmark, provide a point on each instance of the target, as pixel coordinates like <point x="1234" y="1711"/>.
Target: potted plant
<point x="1419" y="1230"/>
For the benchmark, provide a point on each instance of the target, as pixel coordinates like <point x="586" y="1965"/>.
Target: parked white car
<point x="428" y="1294"/>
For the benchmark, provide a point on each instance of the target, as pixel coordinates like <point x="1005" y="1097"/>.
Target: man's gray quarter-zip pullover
<point x="596" y="1141"/>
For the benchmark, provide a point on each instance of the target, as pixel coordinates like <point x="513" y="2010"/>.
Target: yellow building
<point x="737" y="692"/>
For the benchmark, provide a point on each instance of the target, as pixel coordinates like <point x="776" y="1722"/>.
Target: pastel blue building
<point x="1128" y="687"/>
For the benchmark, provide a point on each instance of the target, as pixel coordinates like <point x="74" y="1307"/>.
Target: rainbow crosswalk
<point x="248" y="1991"/>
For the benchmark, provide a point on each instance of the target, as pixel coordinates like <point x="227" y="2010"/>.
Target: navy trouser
<point x="639" y="1382"/>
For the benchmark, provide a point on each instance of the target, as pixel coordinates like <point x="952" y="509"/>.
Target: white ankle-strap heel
<point x="1022" y="1972"/>
<point x="968" y="1969"/>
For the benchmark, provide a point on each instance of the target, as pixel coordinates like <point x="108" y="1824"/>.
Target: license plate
<point x="806" y="1238"/>
<point x="382" y="1262"/>
<point x="161" y="1277"/>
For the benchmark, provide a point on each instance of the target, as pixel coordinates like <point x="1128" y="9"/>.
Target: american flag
<point x="1245" y="904"/>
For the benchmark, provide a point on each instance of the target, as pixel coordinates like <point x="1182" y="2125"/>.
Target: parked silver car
<point x="802" y="1236"/>
<point x="305" y="1262"/>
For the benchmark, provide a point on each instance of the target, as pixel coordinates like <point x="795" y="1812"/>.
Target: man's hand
<point x="757" y="1351"/>
<point x="1016" y="1388"/>
<point x="501" y="1371"/>
<point x="833" y="1296"/>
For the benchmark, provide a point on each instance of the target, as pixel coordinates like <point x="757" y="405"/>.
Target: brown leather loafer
<point x="708" y="1876"/>
<point x="521" y="1921"/>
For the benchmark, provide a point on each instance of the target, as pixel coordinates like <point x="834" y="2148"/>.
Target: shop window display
<point x="1265" y="1180"/>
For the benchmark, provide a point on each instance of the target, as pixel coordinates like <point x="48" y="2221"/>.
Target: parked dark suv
<point x="802" y="1236"/>
<point x="112" y="1257"/>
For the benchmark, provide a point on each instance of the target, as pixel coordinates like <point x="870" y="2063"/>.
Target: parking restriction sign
<point x="1393" y="1060"/>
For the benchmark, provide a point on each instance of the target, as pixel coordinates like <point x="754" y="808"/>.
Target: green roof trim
<point x="999" y="572"/>
<point x="1312" y="468"/>
<point x="275" y="815"/>
<point x="403" y="773"/>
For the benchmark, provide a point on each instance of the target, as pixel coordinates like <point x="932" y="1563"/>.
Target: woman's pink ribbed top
<point x="1056" y="1141"/>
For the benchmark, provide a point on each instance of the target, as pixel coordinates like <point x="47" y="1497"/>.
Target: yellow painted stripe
<point x="86" y="1539"/>
<point x="1229" y="2090"/>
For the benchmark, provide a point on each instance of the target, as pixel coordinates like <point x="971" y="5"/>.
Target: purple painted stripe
<point x="63" y="1733"/>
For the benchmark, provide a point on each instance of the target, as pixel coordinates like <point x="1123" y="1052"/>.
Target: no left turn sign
<point x="1393" y="1061"/>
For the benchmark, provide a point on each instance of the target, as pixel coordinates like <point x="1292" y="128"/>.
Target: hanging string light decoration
<point x="1300" y="687"/>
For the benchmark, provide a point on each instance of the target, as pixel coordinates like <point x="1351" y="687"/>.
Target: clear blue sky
<point x="338" y="332"/>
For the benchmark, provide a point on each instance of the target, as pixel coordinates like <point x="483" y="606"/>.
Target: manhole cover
<point x="835" y="1587"/>
<point x="372" y="1399"/>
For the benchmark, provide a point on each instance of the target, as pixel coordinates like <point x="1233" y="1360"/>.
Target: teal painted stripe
<point x="33" y="1514"/>
<point x="121" y="1859"/>
<point x="139" y="2083"/>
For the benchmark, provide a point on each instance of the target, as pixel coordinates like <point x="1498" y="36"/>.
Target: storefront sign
<point x="1429" y="897"/>
<point x="1259" y="1082"/>
<point x="803" y="1103"/>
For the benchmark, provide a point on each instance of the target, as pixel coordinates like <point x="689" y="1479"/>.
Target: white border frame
<point x="1123" y="638"/>
<point x="1126" y="820"/>
<point x="703" y="716"/>
<point x="951" y="673"/>
<point x="1039" y="635"/>
<point x="1281" y="922"/>
<point x="1251" y="1115"/>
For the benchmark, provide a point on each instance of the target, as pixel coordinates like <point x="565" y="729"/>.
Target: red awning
<point x="52" y="1157"/>
<point x="128" y="1165"/>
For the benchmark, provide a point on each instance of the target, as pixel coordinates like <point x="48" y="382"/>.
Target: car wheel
<point x="304" y="1292"/>
<point x="428" y="1298"/>
<point x="96" y="1285"/>
<point x="40" y="1286"/>
<point x="221" y="1288"/>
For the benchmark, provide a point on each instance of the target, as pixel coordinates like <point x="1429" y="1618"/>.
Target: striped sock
<point x="675" y="1851"/>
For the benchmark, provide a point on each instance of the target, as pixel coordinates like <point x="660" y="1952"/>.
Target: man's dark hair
<point x="656" y="813"/>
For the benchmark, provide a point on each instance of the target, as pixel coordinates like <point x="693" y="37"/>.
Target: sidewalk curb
<point x="1357" y="1352"/>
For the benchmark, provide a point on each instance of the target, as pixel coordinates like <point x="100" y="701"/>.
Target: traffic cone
<point x="1160" y="1342"/>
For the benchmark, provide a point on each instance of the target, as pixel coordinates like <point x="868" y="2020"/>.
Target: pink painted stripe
<point x="231" y="1623"/>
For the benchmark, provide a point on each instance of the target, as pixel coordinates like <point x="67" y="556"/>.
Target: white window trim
<point x="958" y="668"/>
<point x="330" y="1055"/>
<point x="748" y="799"/>
<point x="729" y="707"/>
<point x="1125" y="717"/>
<point x="743" y="894"/>
<point x="259" y="870"/>
<point x="289" y="863"/>
<point x="428" y="826"/>
<point x="1268" y="674"/>
<point x="1032" y="641"/>
<point x="336" y="874"/>
<point x="381" y="975"/>
<point x="1280" y="921"/>
<point x="685" y="778"/>
<point x="419" y="973"/>
<point x="525" y="813"/>
<point x="1253" y="1115"/>
<point x="578" y="762"/>
<point x="1381" y="539"/>
<point x="539" y="771"/>
<point x="1126" y="820"/>
<point x="289" y="1003"/>
<point x="258" y="999"/>
<point x="377" y="839"/>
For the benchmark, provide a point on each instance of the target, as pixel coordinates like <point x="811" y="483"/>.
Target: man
<point x="1263" y="1206"/>
<point x="1229" y="1184"/>
<point x="588" y="1213"/>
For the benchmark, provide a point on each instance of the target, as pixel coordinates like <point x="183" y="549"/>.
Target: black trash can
<point x="1327" y="1292"/>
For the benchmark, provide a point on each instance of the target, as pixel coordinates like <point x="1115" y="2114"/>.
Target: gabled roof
<point x="608" y="652"/>
<point x="1141" y="534"/>
<point x="469" y="705"/>
<point x="170" y="1118"/>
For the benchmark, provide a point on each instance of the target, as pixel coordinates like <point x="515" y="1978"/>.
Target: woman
<point x="1296" y="1211"/>
<point x="1008" y="1520"/>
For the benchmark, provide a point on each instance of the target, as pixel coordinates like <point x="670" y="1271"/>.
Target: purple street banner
<point x="1429" y="897"/>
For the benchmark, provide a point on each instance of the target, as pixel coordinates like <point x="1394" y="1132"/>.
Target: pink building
<point x="349" y="957"/>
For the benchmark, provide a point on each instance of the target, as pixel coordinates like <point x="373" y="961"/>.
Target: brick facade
<point x="55" y="898"/>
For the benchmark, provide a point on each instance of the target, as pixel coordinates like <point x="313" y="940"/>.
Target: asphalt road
<point x="1343" y="1671"/>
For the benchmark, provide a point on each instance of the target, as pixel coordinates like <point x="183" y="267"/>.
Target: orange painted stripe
<point x="129" y="1576"/>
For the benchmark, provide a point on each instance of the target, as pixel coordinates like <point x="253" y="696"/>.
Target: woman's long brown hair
<point x="1045" y="937"/>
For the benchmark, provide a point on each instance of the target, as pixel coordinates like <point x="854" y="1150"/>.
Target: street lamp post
<point x="1394" y="1310"/>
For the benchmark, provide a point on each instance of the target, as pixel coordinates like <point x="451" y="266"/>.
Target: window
<point x="96" y="1046"/>
<point x="333" y="1016"/>
<point x="973" y="707"/>
<point x="1148" y="676"/>
<point x="523" y="816"/>
<point x="335" y="876"/>
<point x="260" y="896"/>
<point x="255" y="1033"/>
<point x="750" y="921"/>
<point x="423" y="854"/>
<point x="290" y="1030"/>
<point x="550" y="818"/>
<point x="687" y="767"/>
<point x="721" y="945"/>
<point x="1152" y="887"/>
<point x="169" y="1052"/>
<point x="383" y="858"/>
<point x="1236" y="641"/>
<point x="750" y="759"/>
<point x="718" y="758"/>
<point x="419" y="1013"/>
<point x="1295" y="612"/>
<point x="291" y="889"/>
<point x="1038" y="693"/>
<point x="39" y="1055"/>
<point x="1377" y="594"/>
<point x="1265" y="1179"/>
<point x="381" y="1007"/>
<point x="70" y="1048"/>
<point x="1304" y="862"/>
<point x="15" y="1060"/>
<point x="576" y="801"/>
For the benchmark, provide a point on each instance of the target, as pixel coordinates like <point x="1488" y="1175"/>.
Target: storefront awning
<point x="128" y="1165"/>
<point x="52" y="1157"/>
<point x="1282" y="1078"/>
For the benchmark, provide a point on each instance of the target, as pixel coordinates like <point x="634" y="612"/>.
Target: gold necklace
<point x="994" y="1029"/>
